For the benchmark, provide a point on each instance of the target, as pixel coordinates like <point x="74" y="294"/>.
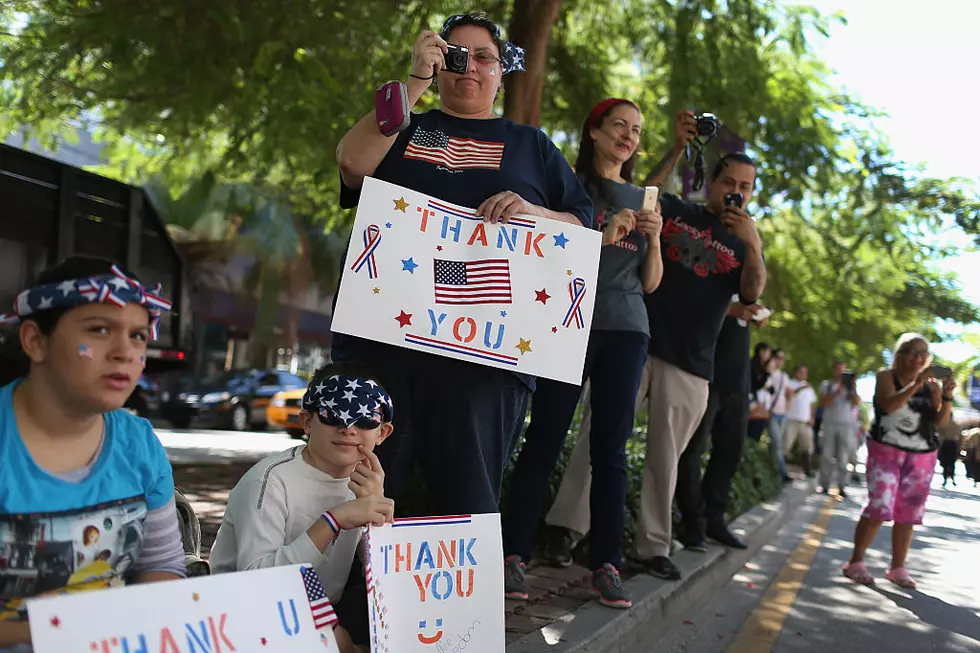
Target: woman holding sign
<point x="459" y="419"/>
<point x="629" y="266"/>
<point x="87" y="493"/>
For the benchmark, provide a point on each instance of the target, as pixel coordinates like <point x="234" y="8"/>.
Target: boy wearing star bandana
<point x="308" y="505"/>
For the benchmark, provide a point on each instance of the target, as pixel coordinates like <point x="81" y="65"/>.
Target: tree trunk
<point x="530" y="28"/>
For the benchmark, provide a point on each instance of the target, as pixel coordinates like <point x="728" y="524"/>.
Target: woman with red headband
<point x="629" y="266"/>
<point x="87" y="493"/>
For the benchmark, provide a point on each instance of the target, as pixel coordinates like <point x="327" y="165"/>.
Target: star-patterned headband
<point x="349" y="398"/>
<point x="512" y="57"/>
<point x="115" y="288"/>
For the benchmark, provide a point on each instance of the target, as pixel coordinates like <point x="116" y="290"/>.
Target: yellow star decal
<point x="196" y="596"/>
<point x="377" y="291"/>
<point x="401" y="204"/>
<point x="524" y="346"/>
<point x="569" y="272"/>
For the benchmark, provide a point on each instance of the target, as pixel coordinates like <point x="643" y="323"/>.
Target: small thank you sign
<point x="279" y="609"/>
<point x="433" y="276"/>
<point x="436" y="584"/>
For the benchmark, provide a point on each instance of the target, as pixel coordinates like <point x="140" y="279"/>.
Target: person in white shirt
<point x="778" y="387"/>
<point x="838" y="432"/>
<point x="800" y="417"/>
<point x="308" y="505"/>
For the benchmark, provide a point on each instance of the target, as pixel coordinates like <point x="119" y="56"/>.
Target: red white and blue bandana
<point x="349" y="399"/>
<point x="115" y="288"/>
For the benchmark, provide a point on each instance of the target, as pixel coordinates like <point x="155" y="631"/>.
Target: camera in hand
<point x="708" y="125"/>
<point x="457" y="59"/>
<point x="734" y="199"/>
<point x="847" y="379"/>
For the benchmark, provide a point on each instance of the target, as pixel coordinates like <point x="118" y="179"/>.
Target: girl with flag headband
<point x="86" y="486"/>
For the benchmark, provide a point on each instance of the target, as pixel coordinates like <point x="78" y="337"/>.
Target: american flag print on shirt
<point x="472" y="282"/>
<point x="454" y="153"/>
<point x="323" y="614"/>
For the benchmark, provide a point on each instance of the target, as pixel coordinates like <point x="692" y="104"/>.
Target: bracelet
<point x="947" y="399"/>
<point x="332" y="522"/>
<point x="424" y="79"/>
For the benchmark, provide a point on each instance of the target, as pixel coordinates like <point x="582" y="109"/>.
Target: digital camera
<point x="708" y="125"/>
<point x="457" y="59"/>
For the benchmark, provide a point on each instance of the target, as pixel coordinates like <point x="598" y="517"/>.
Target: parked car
<point x="145" y="398"/>
<point x="234" y="400"/>
<point x="283" y="412"/>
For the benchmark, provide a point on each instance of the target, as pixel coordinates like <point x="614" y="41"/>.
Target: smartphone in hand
<point x="650" y="195"/>
<point x="941" y="371"/>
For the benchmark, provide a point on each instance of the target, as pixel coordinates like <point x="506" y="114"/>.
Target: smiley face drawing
<point x="435" y="638"/>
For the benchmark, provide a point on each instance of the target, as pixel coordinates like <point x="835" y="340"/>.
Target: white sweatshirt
<point x="269" y="512"/>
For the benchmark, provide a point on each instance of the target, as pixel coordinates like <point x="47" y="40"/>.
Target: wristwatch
<point x="947" y="399"/>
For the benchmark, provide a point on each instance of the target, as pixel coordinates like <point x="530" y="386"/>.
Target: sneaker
<point x="558" y="547"/>
<point x="608" y="586"/>
<point x="515" y="582"/>
<point x="719" y="533"/>
<point x="662" y="567"/>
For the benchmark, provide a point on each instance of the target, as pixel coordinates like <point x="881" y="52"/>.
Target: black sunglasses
<point x="366" y="423"/>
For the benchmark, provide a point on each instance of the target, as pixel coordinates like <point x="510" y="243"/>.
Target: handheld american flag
<point x="323" y="614"/>
<point x="472" y="282"/>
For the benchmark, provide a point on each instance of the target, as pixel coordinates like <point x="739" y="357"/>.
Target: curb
<point x="596" y="629"/>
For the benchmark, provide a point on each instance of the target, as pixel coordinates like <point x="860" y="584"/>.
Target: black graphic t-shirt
<point x="912" y="427"/>
<point x="702" y="270"/>
<point x="466" y="161"/>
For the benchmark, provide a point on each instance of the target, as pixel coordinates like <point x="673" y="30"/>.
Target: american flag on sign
<point x="472" y="282"/>
<point x="323" y="614"/>
<point x="452" y="152"/>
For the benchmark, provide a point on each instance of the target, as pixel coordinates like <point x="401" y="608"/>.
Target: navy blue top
<point x="466" y="161"/>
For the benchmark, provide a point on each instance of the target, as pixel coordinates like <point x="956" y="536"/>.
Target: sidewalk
<point x="561" y="615"/>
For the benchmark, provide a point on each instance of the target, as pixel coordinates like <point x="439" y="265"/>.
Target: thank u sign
<point x="433" y="276"/>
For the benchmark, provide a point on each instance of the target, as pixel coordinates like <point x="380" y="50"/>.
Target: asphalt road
<point x="195" y="446"/>
<point x="812" y="607"/>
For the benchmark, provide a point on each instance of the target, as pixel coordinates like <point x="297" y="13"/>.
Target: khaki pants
<point x="797" y="431"/>
<point x="676" y="402"/>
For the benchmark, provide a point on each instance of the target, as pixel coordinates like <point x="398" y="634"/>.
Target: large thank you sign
<point x="436" y="585"/>
<point x="279" y="609"/>
<point x="433" y="276"/>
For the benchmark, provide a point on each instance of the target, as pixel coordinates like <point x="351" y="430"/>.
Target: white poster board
<point x="436" y="584"/>
<point x="432" y="276"/>
<point x="253" y="611"/>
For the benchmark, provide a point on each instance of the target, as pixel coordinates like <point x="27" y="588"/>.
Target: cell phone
<point x="734" y="199"/>
<point x="650" y="194"/>
<point x="391" y="108"/>
<point x="847" y="379"/>
<point x="941" y="371"/>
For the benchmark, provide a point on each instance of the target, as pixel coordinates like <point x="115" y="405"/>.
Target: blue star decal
<point x="409" y="265"/>
<point x="503" y="313"/>
<point x="388" y="225"/>
<point x="560" y="240"/>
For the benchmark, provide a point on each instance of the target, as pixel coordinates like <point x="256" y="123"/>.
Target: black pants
<point x="457" y="420"/>
<point x="726" y="420"/>
<point x="614" y="362"/>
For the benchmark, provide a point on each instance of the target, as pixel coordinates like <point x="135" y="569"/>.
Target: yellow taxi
<point x="283" y="412"/>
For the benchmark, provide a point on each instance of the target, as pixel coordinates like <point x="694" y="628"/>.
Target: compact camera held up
<point x="457" y="59"/>
<point x="708" y="126"/>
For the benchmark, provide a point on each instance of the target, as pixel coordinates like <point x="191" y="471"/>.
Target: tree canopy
<point x="259" y="93"/>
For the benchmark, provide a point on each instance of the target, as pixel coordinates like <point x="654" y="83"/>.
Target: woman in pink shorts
<point x="909" y="407"/>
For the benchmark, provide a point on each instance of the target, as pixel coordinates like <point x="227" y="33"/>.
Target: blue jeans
<point x="777" y="426"/>
<point x="614" y="362"/>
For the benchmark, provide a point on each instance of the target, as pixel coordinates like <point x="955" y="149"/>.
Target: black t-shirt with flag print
<point x="466" y="161"/>
<point x="702" y="270"/>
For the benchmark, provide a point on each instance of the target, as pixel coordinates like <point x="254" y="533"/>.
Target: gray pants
<point x="839" y="444"/>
